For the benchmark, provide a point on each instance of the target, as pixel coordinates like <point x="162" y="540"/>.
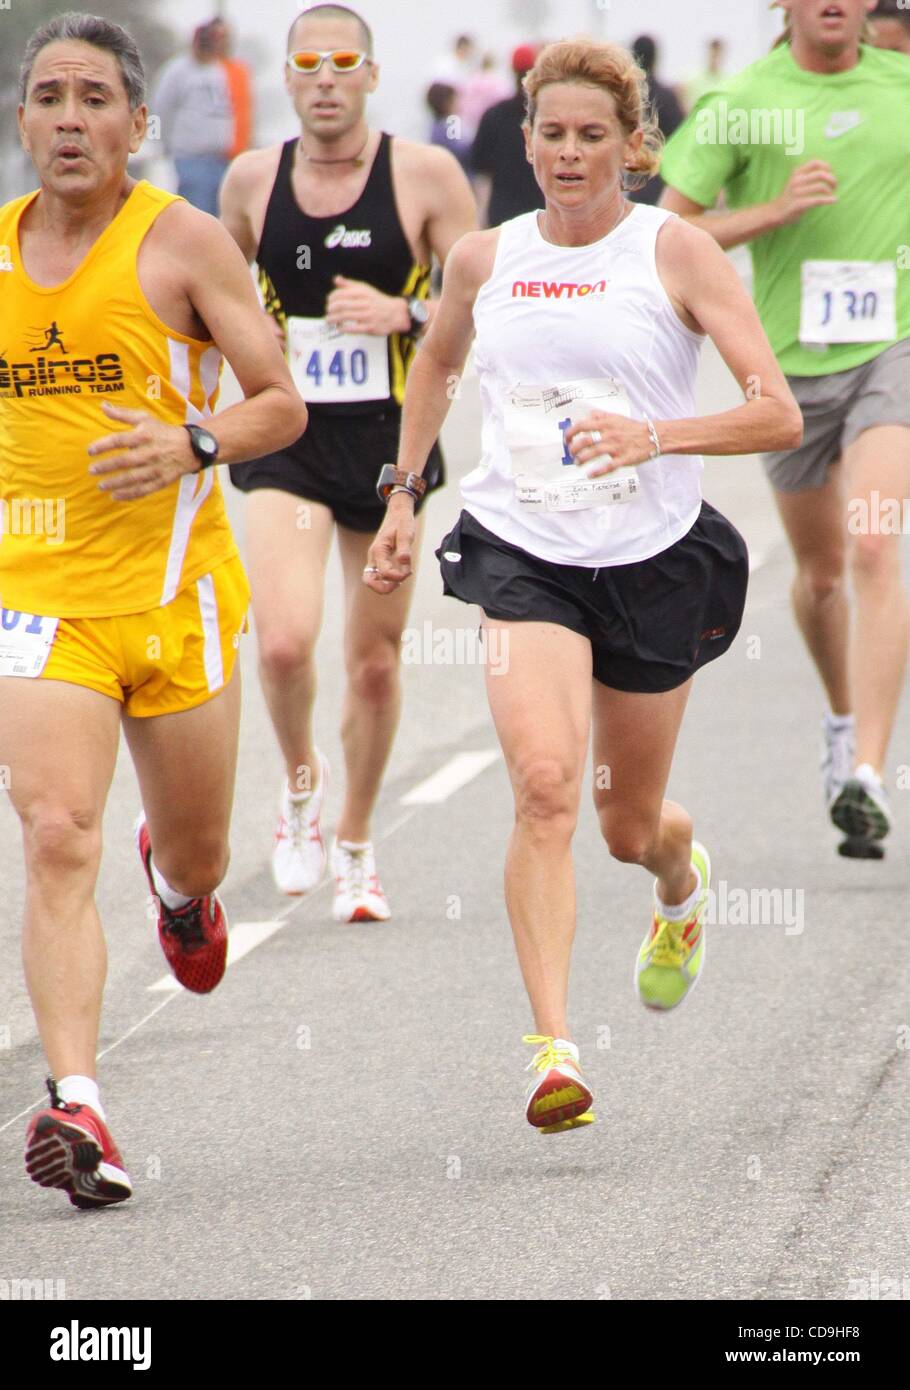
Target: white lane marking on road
<point x="451" y="777"/>
<point x="116" y="1043"/>
<point x="167" y="984"/>
<point x="242" y="938"/>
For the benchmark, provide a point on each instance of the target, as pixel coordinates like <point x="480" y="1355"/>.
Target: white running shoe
<point x="358" y="892"/>
<point x="298" y="858"/>
<point x="862" y="810"/>
<point x="837" y="757"/>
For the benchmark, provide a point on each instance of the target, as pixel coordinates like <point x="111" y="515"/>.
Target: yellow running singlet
<point x="68" y="550"/>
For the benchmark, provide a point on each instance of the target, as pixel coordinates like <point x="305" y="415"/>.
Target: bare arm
<point x="450" y="214"/>
<point x="432" y="385"/>
<point x="216" y="281"/>
<point x="234" y="204"/>
<point x="698" y="276"/>
<point x="219" y="287"/>
<point x="811" y="185"/>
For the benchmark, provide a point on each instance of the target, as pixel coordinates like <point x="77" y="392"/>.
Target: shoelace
<point x="667" y="946"/>
<point x="548" y="1054"/>
<point x="186" y="924"/>
<point x="56" y="1102"/>
<point x="354" y="869"/>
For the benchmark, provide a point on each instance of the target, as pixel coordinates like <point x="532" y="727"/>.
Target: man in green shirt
<point x="812" y="147"/>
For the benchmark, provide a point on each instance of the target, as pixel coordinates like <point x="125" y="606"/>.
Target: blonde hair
<point x="786" y="34"/>
<point x="614" y="69"/>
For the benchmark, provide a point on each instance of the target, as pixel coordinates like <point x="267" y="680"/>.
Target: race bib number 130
<point x="25" y="642"/>
<point x="848" y="302"/>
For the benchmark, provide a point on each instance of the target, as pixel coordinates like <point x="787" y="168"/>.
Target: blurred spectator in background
<point x="505" y="182"/>
<point x="204" y="109"/>
<point x="240" y="88"/>
<point x="447" y="128"/>
<point x="457" y="66"/>
<point x="666" y="108"/>
<point x="483" y="89"/>
<point x="706" y="81"/>
<point x="891" y="26"/>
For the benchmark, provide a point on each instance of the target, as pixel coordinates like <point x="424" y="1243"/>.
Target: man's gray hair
<point x="101" y="33"/>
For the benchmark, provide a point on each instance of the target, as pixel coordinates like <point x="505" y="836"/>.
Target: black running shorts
<point x="337" y="462"/>
<point x="651" y="625"/>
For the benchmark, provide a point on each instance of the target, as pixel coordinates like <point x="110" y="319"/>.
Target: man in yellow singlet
<point x="122" y="596"/>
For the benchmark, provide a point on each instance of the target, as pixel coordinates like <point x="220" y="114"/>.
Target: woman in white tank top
<point x="604" y="578"/>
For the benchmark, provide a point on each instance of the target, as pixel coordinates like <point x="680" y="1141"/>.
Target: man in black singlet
<point x="343" y="223"/>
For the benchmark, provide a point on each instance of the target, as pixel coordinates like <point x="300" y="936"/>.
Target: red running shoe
<point x="70" y="1147"/>
<point x="194" y="939"/>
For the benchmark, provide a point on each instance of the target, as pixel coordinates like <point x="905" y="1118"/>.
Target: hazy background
<point x="410" y="36"/>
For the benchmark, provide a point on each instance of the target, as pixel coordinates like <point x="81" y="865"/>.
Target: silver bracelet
<point x="654" y="438"/>
<point x="400" y="487"/>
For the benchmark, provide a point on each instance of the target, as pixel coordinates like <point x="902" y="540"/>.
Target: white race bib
<point x="25" y="642"/>
<point x="537" y="419"/>
<point x="848" y="302"/>
<point x="330" y="366"/>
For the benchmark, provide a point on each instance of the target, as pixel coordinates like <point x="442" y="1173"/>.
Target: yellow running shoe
<point x="558" y="1098"/>
<point x="673" y="953"/>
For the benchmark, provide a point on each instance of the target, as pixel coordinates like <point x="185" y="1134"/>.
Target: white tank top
<point x="562" y="328"/>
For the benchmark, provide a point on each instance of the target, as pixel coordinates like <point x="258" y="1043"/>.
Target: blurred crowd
<point x="475" y="107"/>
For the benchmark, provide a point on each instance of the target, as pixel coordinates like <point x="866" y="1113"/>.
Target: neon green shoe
<point x="672" y="954"/>
<point x="558" y="1097"/>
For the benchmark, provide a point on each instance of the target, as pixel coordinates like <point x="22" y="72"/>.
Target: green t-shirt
<point x="748" y="136"/>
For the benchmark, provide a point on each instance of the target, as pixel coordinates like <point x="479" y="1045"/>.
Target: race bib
<point x="331" y="366"/>
<point x="537" y="420"/>
<point x="848" y="302"/>
<point x="25" y="642"/>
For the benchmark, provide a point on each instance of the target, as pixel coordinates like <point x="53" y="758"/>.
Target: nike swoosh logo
<point x="840" y="126"/>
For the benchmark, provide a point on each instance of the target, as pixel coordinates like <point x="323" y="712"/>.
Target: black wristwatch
<point x="203" y="444"/>
<point x="420" y="314"/>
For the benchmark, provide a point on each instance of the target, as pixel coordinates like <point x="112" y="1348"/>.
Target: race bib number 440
<point x="25" y="642"/>
<point x="330" y="366"/>
<point x="848" y="302"/>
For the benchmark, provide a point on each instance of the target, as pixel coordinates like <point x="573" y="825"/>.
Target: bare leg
<point x="287" y="545"/>
<point x="633" y="743"/>
<point x="541" y="706"/>
<point x="372" y="703"/>
<point x="59" y="798"/>
<point x="186" y="763"/>
<point x="878" y="460"/>
<point x="816" y="525"/>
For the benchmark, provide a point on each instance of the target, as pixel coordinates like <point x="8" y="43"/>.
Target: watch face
<point x="419" y="310"/>
<point x="207" y="442"/>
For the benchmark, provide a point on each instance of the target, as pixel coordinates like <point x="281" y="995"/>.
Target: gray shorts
<point x="836" y="409"/>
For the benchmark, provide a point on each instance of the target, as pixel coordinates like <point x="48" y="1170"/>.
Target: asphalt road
<point x="343" y="1117"/>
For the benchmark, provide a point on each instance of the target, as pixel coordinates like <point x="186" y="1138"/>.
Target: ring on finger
<point x="371" y="569"/>
<point x="596" y="437"/>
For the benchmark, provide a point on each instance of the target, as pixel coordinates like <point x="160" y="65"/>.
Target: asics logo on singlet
<point x="340" y="236"/>
<point x="61" y="376"/>
<point x="839" y="122"/>
<point x="557" y="289"/>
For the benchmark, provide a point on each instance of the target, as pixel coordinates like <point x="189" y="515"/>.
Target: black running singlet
<point x="298" y="257"/>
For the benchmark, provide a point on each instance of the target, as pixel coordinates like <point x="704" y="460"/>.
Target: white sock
<point x="80" y="1090"/>
<point x="353" y="846"/>
<point x="678" y="912"/>
<point x="172" y="899"/>
<point x="839" y="722"/>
